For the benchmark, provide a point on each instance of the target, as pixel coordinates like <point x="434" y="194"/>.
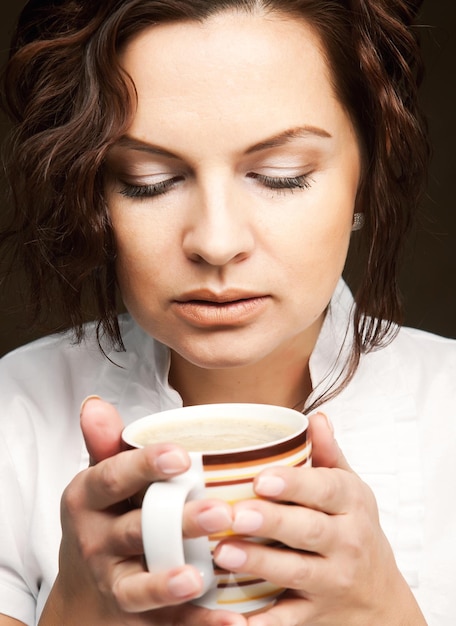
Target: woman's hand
<point x="102" y="578"/>
<point x="337" y="564"/>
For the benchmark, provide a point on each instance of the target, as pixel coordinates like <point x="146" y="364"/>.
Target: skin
<point x="220" y="229"/>
<point x="220" y="234"/>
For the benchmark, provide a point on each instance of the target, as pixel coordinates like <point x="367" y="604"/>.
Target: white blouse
<point x="395" y="422"/>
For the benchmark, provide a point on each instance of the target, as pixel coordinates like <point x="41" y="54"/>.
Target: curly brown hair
<point x="69" y="101"/>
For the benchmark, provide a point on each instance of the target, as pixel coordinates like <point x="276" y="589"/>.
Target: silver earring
<point x="358" y="221"/>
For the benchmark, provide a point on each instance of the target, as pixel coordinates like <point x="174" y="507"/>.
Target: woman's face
<point x="232" y="194"/>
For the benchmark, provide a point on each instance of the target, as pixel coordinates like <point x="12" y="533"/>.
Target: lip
<point x="204" y="308"/>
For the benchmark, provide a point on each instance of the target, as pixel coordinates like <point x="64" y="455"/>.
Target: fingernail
<point x="172" y="462"/>
<point x="185" y="584"/>
<point x="214" y="519"/>
<point x="84" y="402"/>
<point x="247" y="522"/>
<point x="230" y="558"/>
<point x="269" y="485"/>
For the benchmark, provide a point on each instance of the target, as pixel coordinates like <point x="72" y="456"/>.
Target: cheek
<point x="321" y="233"/>
<point x="318" y="262"/>
<point x="316" y="249"/>
<point x="135" y="263"/>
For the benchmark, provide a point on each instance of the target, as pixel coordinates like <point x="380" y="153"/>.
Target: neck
<point x="280" y="378"/>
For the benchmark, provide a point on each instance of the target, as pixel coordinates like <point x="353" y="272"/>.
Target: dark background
<point x="429" y="277"/>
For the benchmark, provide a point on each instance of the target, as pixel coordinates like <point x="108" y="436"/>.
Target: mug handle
<point x="162" y="511"/>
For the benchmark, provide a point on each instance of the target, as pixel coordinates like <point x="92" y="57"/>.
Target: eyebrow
<point x="300" y="132"/>
<point x="131" y="143"/>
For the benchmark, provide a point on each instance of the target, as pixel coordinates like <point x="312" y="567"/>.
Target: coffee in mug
<point x="220" y="434"/>
<point x="229" y="444"/>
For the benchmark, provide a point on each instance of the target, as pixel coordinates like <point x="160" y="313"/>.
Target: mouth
<point x="228" y="309"/>
<point x="212" y="297"/>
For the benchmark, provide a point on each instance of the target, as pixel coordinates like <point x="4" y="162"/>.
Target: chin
<point x="219" y="362"/>
<point x="234" y="355"/>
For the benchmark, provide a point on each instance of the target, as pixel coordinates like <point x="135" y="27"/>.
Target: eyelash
<point x="149" y="191"/>
<point x="283" y="183"/>
<point x="271" y="182"/>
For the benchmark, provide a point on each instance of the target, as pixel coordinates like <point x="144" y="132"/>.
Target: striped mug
<point x="229" y="444"/>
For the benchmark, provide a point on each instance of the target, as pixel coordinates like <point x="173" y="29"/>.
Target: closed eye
<point x="282" y="182"/>
<point x="270" y="182"/>
<point x="151" y="190"/>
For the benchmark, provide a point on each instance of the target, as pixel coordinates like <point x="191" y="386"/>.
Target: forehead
<point x="245" y="69"/>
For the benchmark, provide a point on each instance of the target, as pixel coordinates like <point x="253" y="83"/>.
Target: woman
<point x="213" y="160"/>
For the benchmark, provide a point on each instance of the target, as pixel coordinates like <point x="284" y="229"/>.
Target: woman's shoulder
<point x="57" y="365"/>
<point x="50" y="351"/>
<point x="416" y="368"/>
<point x="425" y="347"/>
<point x="52" y="375"/>
<point x="425" y="363"/>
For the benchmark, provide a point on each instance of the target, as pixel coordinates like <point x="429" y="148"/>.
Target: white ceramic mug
<point x="239" y="441"/>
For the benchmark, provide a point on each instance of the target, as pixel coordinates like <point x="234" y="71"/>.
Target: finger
<point x="125" y="535"/>
<point x="331" y="491"/>
<point x="144" y="592"/>
<point x="325" y="450"/>
<point x="101" y="427"/>
<point x="200" y="518"/>
<point x="203" y="517"/>
<point x="309" y="573"/>
<point x="295" y="526"/>
<point x="287" y="611"/>
<point x="118" y="478"/>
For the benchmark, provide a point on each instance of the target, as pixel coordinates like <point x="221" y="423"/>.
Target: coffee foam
<point x="217" y="434"/>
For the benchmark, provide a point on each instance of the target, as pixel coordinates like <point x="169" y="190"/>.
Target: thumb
<point x="325" y="449"/>
<point x="101" y="427"/>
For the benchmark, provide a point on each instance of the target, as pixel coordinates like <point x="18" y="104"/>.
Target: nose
<point x="219" y="231"/>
